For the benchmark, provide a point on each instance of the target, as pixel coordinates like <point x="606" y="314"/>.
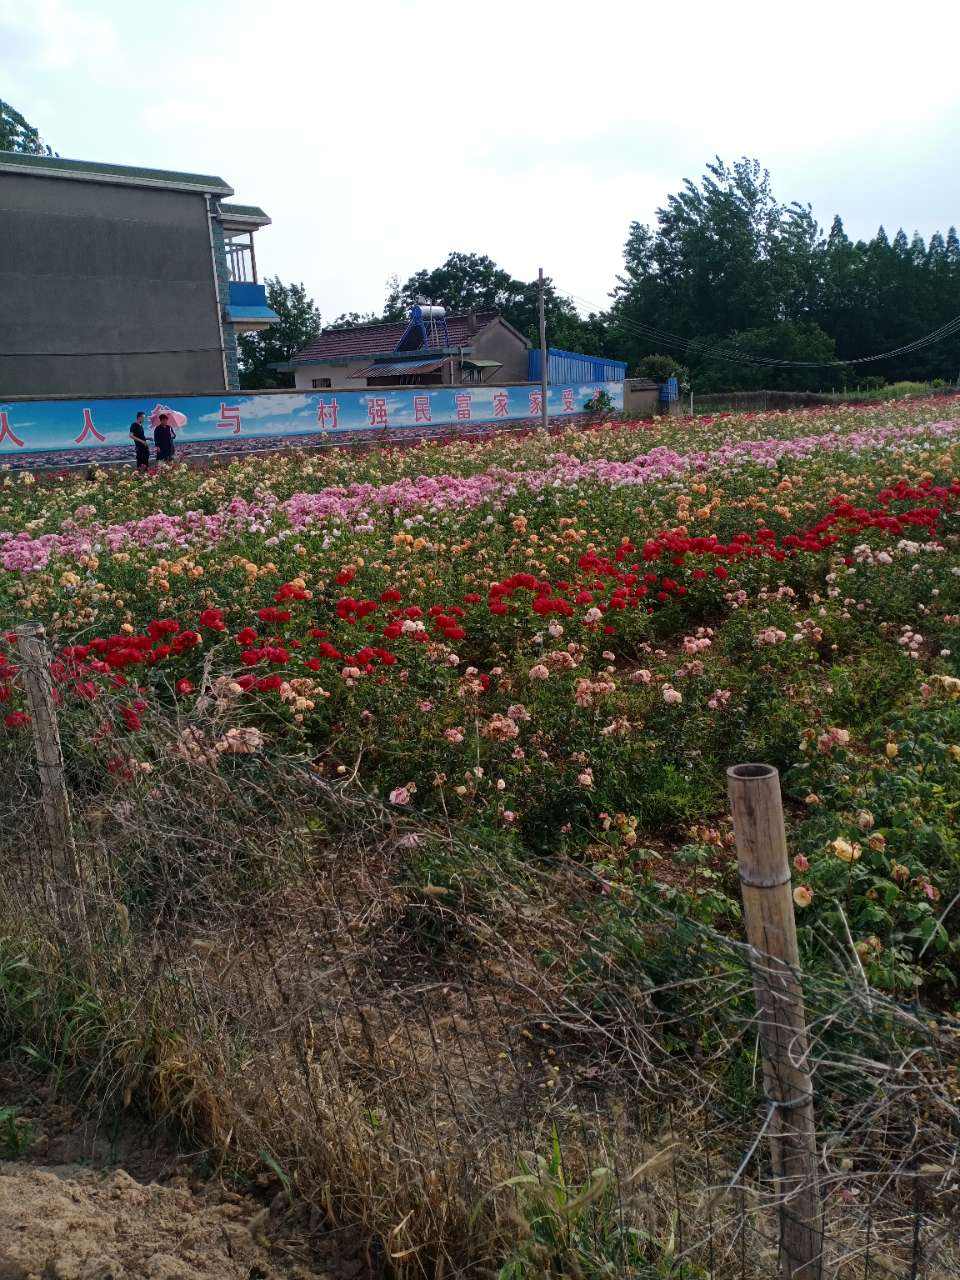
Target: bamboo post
<point x="64" y="865"/>
<point x="754" y="791"/>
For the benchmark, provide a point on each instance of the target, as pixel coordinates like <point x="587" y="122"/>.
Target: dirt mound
<point x="70" y="1223"/>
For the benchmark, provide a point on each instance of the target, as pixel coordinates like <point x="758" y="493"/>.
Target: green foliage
<point x="742" y="280"/>
<point x="17" y="135"/>
<point x="299" y="324"/>
<point x="726" y="258"/>
<point x="600" y="403"/>
<point x="474" y="282"/>
<point x="16" y="1134"/>
<point x="721" y="365"/>
<point x="659" y="368"/>
<point x="882" y="848"/>
<point x="583" y="1229"/>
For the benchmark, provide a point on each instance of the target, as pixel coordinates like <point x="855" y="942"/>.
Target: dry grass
<point x="437" y="1047"/>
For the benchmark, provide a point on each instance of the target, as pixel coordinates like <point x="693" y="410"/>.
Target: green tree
<point x="299" y="324"/>
<point x="353" y="319"/>
<point x="17" y="135"/>
<point x="659" y="368"/>
<point x="746" y="360"/>
<point x="726" y="256"/>
<point x="473" y="282"/>
<point x="727" y="259"/>
<point x="465" y="282"/>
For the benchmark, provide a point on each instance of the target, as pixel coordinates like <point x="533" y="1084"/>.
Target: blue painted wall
<point x="62" y="426"/>
<point x="573" y="366"/>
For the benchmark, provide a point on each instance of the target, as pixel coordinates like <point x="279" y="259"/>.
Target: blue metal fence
<point x="574" y="367"/>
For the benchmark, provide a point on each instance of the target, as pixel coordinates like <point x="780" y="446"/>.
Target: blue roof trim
<point x="579" y="355"/>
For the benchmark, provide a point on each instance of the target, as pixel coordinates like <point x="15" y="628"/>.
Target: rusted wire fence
<point x="476" y="1064"/>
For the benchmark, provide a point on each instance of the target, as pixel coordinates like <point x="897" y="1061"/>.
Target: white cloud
<point x="290" y="406"/>
<point x="380" y="139"/>
<point x="53" y="35"/>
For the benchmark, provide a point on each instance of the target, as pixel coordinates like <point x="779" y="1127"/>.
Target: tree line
<point x="729" y="288"/>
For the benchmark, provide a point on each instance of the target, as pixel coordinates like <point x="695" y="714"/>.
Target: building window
<point x="320" y="382"/>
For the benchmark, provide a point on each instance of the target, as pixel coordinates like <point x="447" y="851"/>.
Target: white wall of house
<point x="343" y="377"/>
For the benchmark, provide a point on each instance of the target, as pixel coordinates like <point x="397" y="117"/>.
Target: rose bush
<point x="528" y="635"/>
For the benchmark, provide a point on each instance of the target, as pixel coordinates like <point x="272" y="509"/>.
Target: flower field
<point x="557" y="642"/>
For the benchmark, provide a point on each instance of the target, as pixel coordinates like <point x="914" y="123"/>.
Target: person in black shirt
<point x="140" y="443"/>
<point x="163" y="437"/>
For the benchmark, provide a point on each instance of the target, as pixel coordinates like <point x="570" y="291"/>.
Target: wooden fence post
<point x="764" y="866"/>
<point x="64" y="865"/>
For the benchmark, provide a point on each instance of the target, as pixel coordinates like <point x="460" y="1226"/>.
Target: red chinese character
<point x="463" y="408"/>
<point x="88" y="429"/>
<point x="377" y="411"/>
<point x="327" y="413"/>
<point x="567" y="400"/>
<point x="230" y="417"/>
<point x="500" y="404"/>
<point x="536" y="403"/>
<point x="421" y="409"/>
<point x="6" y="431"/>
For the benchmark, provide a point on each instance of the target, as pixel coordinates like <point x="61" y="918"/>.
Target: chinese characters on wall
<point x="37" y="426"/>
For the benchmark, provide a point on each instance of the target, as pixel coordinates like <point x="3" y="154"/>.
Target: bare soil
<point x="84" y="1201"/>
<point x="71" y="1223"/>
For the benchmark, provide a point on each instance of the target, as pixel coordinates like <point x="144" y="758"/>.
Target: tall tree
<point x="728" y="263"/>
<point x="725" y="256"/>
<point x="474" y="282"/>
<point x="17" y="135"/>
<point x="299" y="324"/>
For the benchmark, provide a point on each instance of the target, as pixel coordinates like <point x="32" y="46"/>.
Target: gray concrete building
<point x="122" y="281"/>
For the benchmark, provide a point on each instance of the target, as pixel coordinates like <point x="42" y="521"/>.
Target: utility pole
<point x="544" y="413"/>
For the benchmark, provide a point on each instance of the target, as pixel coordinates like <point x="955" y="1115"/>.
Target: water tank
<point x="428" y="313"/>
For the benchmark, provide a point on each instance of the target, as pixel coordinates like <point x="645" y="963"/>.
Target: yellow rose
<point x="892" y="750"/>
<point x="844" y="850"/>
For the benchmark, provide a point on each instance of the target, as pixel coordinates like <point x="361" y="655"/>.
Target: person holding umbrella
<point x="163" y="437"/>
<point x="165" y="422"/>
<point x="140" y="445"/>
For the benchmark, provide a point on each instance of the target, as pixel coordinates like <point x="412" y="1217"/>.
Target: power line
<point x="722" y="350"/>
<point x="743" y="357"/>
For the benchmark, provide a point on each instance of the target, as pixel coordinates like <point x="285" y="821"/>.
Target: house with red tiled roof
<point x="428" y="349"/>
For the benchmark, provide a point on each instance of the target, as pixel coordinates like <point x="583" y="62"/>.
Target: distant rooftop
<point x="128" y="175"/>
<point x="381" y="339"/>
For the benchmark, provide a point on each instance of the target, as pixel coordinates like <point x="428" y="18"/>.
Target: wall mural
<point x="100" y="427"/>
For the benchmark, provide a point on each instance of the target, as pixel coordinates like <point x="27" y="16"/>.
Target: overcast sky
<point x="381" y="135"/>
